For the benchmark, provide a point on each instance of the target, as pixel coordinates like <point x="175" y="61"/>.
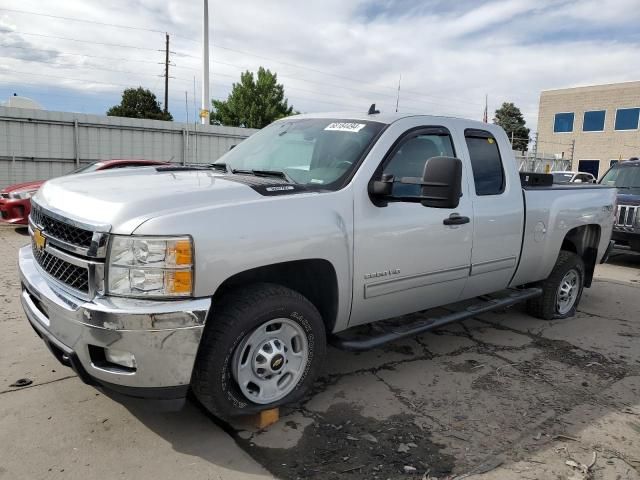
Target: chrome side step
<point x="386" y="334"/>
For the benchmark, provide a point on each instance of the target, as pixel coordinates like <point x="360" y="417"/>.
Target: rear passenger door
<point x="498" y="210"/>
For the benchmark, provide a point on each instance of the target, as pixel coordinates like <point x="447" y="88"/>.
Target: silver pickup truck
<point x="231" y="279"/>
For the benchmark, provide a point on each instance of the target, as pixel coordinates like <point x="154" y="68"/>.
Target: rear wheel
<point x="262" y="347"/>
<point x="562" y="290"/>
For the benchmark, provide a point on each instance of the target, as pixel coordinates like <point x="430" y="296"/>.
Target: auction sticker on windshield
<point x="345" y="127"/>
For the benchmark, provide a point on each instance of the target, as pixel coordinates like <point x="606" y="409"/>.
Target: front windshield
<point x="310" y="151"/>
<point x="626" y="179"/>
<point x="92" y="167"/>
<point x="562" y="177"/>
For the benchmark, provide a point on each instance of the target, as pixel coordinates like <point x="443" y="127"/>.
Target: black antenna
<point x="372" y="109"/>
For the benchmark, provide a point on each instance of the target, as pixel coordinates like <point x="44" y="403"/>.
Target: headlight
<point x="150" y="266"/>
<point x="23" y="194"/>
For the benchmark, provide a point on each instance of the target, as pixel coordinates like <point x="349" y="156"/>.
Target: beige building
<point x="594" y="126"/>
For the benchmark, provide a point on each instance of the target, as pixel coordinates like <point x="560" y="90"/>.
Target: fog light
<point x="120" y="357"/>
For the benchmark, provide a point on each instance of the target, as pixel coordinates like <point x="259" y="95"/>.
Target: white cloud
<point x="449" y="55"/>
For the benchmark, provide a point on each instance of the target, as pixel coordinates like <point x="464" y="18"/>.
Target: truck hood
<point x="123" y="199"/>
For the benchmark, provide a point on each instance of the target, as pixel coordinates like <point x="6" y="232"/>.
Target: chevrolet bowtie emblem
<point x="39" y="239"/>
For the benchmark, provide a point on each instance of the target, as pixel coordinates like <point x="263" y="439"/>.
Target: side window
<point x="486" y="163"/>
<point x="409" y="158"/>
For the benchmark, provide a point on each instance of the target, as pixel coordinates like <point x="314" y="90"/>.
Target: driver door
<point x="405" y="258"/>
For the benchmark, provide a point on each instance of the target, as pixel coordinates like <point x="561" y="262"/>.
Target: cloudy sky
<point x="329" y="54"/>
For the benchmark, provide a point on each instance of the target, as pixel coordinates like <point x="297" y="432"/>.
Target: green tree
<point x="255" y="102"/>
<point x="510" y="118"/>
<point x="139" y="103"/>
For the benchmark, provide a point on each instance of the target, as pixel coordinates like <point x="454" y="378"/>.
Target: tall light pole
<point x="204" y="107"/>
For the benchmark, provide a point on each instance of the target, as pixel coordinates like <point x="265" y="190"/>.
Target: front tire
<point x="263" y="347"/>
<point x="562" y="290"/>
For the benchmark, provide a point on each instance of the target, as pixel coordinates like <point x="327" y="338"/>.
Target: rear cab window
<point x="486" y="162"/>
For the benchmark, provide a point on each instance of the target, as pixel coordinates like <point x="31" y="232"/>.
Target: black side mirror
<point x="382" y="187"/>
<point x="442" y="182"/>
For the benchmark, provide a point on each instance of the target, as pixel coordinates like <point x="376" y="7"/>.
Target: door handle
<point x="455" y="219"/>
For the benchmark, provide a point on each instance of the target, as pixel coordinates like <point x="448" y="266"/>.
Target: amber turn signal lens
<point x="179" y="282"/>
<point x="181" y="251"/>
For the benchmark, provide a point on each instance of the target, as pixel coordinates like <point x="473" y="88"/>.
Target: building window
<point x="563" y="123"/>
<point x="593" y="121"/>
<point x="486" y="163"/>
<point x="627" y="118"/>
<point x="612" y="163"/>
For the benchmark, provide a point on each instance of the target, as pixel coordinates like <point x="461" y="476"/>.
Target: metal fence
<point x="42" y="144"/>
<point x="527" y="162"/>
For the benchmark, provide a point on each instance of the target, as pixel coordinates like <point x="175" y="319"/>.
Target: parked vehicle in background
<point x="312" y="226"/>
<point x="15" y="200"/>
<point x="625" y="176"/>
<point x="573" y="177"/>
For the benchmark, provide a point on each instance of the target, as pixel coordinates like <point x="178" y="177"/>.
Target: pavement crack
<point x="33" y="385"/>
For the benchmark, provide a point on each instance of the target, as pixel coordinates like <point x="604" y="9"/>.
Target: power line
<point x="136" y="47"/>
<point x="420" y="94"/>
<point x="59" y="52"/>
<point x="453" y="100"/>
<point x="362" y="93"/>
<point x="130" y="27"/>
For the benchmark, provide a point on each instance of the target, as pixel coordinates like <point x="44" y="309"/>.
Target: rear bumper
<point x="163" y="336"/>
<point x="15" y="211"/>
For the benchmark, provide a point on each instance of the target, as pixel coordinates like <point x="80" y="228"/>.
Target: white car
<point x="573" y="177"/>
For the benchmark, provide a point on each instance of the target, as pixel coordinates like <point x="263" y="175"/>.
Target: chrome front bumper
<point x="162" y="335"/>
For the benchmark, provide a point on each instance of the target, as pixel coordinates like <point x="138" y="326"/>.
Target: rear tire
<point x="263" y="347"/>
<point x="562" y="290"/>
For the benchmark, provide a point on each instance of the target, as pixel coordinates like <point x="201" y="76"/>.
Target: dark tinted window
<point x="627" y="118"/>
<point x="593" y="121"/>
<point x="563" y="123"/>
<point x="486" y="163"/>
<point x="626" y="178"/>
<point x="409" y="160"/>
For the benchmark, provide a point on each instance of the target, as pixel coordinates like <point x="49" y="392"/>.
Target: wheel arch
<point x="315" y="279"/>
<point x="584" y="241"/>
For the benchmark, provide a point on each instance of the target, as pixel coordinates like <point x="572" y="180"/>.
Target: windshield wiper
<point x="264" y="173"/>
<point x="219" y="166"/>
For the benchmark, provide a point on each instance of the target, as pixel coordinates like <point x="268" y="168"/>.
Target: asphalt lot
<point x="501" y="396"/>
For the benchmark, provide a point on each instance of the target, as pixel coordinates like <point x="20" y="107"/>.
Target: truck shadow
<point x="191" y="431"/>
<point x="500" y="389"/>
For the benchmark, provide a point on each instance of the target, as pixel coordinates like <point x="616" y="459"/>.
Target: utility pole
<point x="204" y="107"/>
<point x="573" y="150"/>
<point x="166" y="74"/>
<point x="535" y="145"/>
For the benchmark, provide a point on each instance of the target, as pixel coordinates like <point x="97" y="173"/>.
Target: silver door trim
<point x="493" y="265"/>
<point x="409" y="282"/>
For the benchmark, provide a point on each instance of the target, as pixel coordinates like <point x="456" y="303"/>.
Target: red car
<point x="15" y="203"/>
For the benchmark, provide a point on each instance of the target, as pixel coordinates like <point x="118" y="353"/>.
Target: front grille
<point x="72" y="275"/>
<point x="60" y="230"/>
<point x="626" y="215"/>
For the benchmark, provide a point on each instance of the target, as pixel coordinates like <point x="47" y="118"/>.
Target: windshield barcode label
<point x="345" y="127"/>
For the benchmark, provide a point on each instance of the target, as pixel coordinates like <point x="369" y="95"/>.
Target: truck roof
<point x="388" y="118"/>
